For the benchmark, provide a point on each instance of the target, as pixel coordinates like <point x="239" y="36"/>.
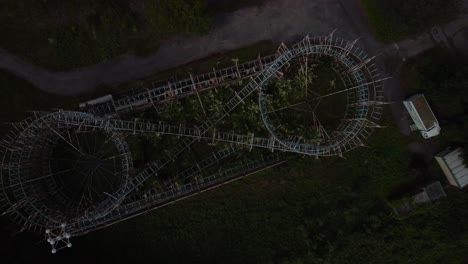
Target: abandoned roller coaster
<point x="69" y="172"/>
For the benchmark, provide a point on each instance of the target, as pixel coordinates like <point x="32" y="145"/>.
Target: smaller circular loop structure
<point x="62" y="175"/>
<point x="364" y="96"/>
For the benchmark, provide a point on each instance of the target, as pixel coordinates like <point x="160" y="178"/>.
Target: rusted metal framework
<point x="35" y="197"/>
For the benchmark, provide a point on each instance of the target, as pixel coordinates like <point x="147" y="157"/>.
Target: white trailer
<point x="422" y="115"/>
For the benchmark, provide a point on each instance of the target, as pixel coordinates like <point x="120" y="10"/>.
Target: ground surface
<point x="276" y="216"/>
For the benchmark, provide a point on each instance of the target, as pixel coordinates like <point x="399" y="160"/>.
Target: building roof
<point x="424" y="110"/>
<point x="453" y="166"/>
<point x="429" y="193"/>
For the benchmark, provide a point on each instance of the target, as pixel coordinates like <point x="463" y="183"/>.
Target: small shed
<point x="422" y="115"/>
<point x="417" y="197"/>
<point x="429" y="193"/>
<point x="451" y="163"/>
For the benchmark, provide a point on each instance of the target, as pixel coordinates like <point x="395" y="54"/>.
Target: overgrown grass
<point x="392" y="20"/>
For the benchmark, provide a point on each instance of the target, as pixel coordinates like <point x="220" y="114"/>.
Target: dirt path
<point x="278" y="20"/>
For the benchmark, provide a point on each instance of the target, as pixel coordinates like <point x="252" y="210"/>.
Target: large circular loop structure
<point x="67" y="173"/>
<point x="364" y="96"/>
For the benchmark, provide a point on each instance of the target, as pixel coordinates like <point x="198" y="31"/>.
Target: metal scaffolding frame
<point x="35" y="200"/>
<point x="192" y="85"/>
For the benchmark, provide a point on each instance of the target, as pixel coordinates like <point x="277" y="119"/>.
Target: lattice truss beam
<point x="29" y="144"/>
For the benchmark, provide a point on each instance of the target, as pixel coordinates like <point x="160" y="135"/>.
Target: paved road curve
<point x="279" y="20"/>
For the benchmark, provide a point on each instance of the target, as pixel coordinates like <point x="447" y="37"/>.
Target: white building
<point x="422" y="115"/>
<point x="451" y="163"/>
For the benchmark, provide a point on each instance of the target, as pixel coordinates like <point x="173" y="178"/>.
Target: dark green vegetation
<point x="66" y="34"/>
<point x="307" y="97"/>
<point x="444" y="81"/>
<point x="194" y="110"/>
<point x="393" y="20"/>
<point x="189" y="110"/>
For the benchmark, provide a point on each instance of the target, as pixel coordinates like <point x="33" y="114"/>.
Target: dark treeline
<point x="67" y="34"/>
